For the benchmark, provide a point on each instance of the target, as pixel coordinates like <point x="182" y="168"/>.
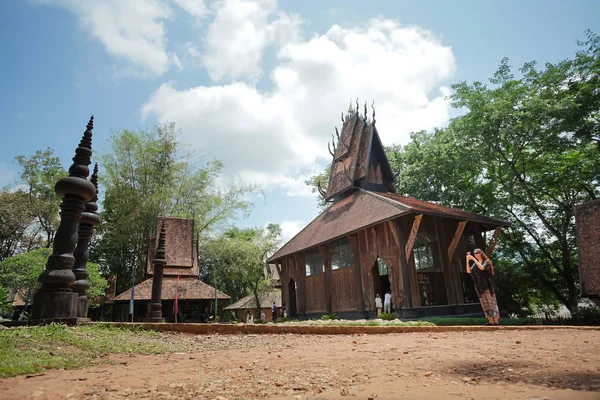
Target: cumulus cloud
<point x="132" y="30"/>
<point x="239" y="34"/>
<point x="278" y="137"/>
<point x="289" y="229"/>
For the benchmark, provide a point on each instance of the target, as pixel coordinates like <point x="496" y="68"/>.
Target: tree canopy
<point x="19" y="273"/>
<point x="147" y="174"/>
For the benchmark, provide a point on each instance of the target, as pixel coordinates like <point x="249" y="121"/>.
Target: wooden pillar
<point x="412" y="270"/>
<point x="449" y="279"/>
<point x="326" y="256"/>
<point x="404" y="265"/>
<point x="353" y="241"/>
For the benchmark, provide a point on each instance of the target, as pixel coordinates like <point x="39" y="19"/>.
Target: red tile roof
<point x="363" y="209"/>
<point x="189" y="289"/>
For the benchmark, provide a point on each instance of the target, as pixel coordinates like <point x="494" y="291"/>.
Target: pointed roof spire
<point x="94" y="180"/>
<point x="161" y="252"/>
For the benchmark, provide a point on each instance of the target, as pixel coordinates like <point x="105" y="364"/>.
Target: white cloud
<point x="195" y="8"/>
<point x="279" y="137"/>
<point x="289" y="229"/>
<point x="239" y="35"/>
<point x="8" y="176"/>
<point x="131" y="30"/>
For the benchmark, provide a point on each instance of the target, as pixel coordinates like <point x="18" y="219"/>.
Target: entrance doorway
<point x="381" y="278"/>
<point x="291" y="306"/>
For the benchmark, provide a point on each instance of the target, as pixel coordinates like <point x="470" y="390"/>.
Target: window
<point x="314" y="262"/>
<point x="341" y="254"/>
<point x="383" y="269"/>
<point x="426" y="254"/>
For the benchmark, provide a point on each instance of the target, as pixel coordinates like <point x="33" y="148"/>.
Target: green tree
<point x="39" y="173"/>
<point x="147" y="174"/>
<point x="18" y="274"/>
<point x="16" y="216"/>
<point x="236" y="261"/>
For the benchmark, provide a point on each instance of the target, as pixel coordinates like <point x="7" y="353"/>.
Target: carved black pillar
<point x="160" y="260"/>
<point x="55" y="299"/>
<point x="89" y="220"/>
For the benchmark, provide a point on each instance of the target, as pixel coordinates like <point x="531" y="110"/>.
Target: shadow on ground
<point x="514" y="371"/>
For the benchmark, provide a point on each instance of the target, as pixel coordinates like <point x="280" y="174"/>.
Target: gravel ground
<point x="552" y="364"/>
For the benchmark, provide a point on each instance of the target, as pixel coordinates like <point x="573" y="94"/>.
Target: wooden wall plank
<point x="457" y="235"/>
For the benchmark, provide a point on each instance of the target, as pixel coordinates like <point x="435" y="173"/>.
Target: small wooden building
<point x="195" y="298"/>
<point x="371" y="240"/>
<point x="248" y="304"/>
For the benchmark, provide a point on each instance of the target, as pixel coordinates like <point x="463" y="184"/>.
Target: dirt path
<point x="557" y="364"/>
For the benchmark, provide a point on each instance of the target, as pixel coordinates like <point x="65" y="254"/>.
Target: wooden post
<point x="493" y="241"/>
<point x="457" y="235"/>
<point x="449" y="281"/>
<point x="154" y="313"/>
<point x="413" y="235"/>
<point x="324" y="251"/>
<point x="412" y="271"/>
<point x="353" y="241"/>
<point x="404" y="265"/>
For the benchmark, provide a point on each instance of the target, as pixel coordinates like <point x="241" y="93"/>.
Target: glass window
<point x="383" y="269"/>
<point x="341" y="254"/>
<point x="314" y="262"/>
<point x="426" y="254"/>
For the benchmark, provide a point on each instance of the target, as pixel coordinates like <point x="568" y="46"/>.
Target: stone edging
<point x="203" y="329"/>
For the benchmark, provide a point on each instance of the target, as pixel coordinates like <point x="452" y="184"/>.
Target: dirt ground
<point x="552" y="364"/>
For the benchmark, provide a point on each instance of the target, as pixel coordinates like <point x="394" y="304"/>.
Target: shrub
<point x="329" y="316"/>
<point x="388" y="316"/>
<point x="586" y="315"/>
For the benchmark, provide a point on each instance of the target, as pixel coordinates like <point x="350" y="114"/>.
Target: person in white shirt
<point x="387" y="303"/>
<point x="378" y="305"/>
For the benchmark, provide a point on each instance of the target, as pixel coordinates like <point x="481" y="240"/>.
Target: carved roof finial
<point x="366" y="110"/>
<point x="373" y="107"/>
<point x="357" y="107"/>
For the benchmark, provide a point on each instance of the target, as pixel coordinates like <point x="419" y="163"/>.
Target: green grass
<point x="462" y="321"/>
<point x="35" y="349"/>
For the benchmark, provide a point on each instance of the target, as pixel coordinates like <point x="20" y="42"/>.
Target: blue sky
<point x="260" y="87"/>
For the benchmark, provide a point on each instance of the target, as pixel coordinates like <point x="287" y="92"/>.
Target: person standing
<point x="482" y="271"/>
<point x="274" y="311"/>
<point x="387" y="303"/>
<point x="378" y="305"/>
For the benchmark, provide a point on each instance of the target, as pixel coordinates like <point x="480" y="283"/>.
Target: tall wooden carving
<point x="160" y="260"/>
<point x="89" y="220"/>
<point x="55" y="298"/>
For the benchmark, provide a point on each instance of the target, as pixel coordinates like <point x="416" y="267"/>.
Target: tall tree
<point x="147" y="174"/>
<point x="235" y="261"/>
<point x="39" y="173"/>
<point x="16" y="216"/>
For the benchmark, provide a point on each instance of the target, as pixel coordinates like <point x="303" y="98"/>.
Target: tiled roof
<point x="363" y="209"/>
<point x="249" y="302"/>
<point x="190" y="288"/>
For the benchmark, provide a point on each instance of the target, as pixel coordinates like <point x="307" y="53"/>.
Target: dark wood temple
<point x="371" y="240"/>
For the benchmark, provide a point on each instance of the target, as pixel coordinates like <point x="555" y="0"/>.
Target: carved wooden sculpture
<point x="89" y="220"/>
<point x="155" y="307"/>
<point x="55" y="299"/>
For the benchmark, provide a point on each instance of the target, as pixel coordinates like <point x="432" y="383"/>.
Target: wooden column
<point x="457" y="235"/>
<point x="326" y="255"/>
<point x="413" y="235"/>
<point x="353" y="241"/>
<point x="449" y="279"/>
<point x="414" y="280"/>
<point x="404" y="265"/>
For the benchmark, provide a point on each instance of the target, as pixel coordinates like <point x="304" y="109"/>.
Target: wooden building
<point x="247" y="304"/>
<point x="195" y="298"/>
<point x="371" y="240"/>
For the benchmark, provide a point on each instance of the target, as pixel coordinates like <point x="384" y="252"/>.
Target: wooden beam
<point x="493" y="242"/>
<point x="413" y="236"/>
<point x="392" y="226"/>
<point x="457" y="235"/>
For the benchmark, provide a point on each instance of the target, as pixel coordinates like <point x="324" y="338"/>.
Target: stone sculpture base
<point x="54" y="305"/>
<point x="154" y="313"/>
<point x="82" y="307"/>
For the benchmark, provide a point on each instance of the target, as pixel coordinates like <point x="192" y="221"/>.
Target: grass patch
<point x="34" y="349"/>
<point x="464" y="321"/>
